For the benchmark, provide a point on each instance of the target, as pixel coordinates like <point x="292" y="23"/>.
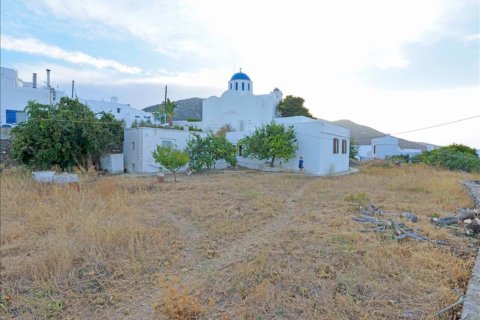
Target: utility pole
<point x="73" y="86"/>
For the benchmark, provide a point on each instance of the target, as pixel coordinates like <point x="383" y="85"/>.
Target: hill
<point x="363" y="135"/>
<point x="192" y="109"/>
<point x="186" y="109"/>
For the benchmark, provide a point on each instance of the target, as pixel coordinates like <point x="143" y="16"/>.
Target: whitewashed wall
<point x="385" y="146"/>
<point x="16" y="93"/>
<point x="243" y="112"/>
<point x="139" y="143"/>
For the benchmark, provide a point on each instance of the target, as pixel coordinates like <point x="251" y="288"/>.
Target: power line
<point x="419" y="129"/>
<point x="438" y="125"/>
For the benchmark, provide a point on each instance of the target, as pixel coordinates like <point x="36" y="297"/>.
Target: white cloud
<point x="36" y="47"/>
<point x="473" y="37"/>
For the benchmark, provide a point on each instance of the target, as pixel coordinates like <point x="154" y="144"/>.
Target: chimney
<point x="34" y="81"/>
<point x="48" y="78"/>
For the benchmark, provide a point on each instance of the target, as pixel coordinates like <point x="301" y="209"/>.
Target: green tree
<point x="198" y="150"/>
<point x="67" y="134"/>
<point x="203" y="152"/>
<point x="293" y="106"/>
<point x="270" y="142"/>
<point x="170" y="158"/>
<point x="166" y="109"/>
<point x="353" y="148"/>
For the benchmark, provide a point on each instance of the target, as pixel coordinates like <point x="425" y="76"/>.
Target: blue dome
<point x="240" y="76"/>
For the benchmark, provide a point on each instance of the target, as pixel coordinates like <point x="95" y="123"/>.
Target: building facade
<point x="323" y="146"/>
<point x="15" y="94"/>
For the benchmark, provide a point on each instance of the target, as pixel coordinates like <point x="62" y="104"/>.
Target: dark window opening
<point x="335" y="145"/>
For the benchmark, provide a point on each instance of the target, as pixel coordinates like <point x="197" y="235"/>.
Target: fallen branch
<point x="459" y="301"/>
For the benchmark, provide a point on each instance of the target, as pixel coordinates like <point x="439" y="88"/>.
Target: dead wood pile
<point x="388" y="225"/>
<point x="468" y="219"/>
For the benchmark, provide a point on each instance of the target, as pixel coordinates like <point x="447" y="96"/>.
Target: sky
<point x="392" y="65"/>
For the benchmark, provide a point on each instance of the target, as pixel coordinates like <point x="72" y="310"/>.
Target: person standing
<point x="300" y="164"/>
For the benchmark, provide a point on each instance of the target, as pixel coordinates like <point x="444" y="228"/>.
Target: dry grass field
<point x="229" y="245"/>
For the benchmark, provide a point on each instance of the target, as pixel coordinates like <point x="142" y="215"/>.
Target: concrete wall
<point x="139" y="143"/>
<point x="112" y="162"/>
<point x="385" y="146"/>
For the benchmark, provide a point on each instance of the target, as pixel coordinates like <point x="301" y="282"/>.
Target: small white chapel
<point x="323" y="146"/>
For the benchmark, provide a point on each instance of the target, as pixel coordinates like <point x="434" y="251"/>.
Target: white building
<point x="384" y="147"/>
<point x="239" y="108"/>
<point x="323" y="146"/>
<point x="139" y="143"/>
<point x="121" y="111"/>
<point x="15" y="94"/>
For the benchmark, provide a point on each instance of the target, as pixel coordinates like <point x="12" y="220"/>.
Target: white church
<point x="323" y="146"/>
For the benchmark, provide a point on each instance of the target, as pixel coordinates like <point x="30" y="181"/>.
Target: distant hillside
<point x="192" y="109"/>
<point x="364" y="135"/>
<point x="186" y="109"/>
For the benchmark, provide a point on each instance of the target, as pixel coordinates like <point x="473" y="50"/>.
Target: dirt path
<point x="194" y="264"/>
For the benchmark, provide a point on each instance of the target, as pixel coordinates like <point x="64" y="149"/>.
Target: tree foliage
<point x="67" y="134"/>
<point x="293" y="106"/>
<point x="353" y="148"/>
<point x="167" y="109"/>
<point x="203" y="152"/>
<point x="452" y="157"/>
<point x="270" y="142"/>
<point x="170" y="158"/>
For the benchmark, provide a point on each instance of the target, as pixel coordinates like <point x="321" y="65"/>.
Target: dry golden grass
<point x="229" y="245"/>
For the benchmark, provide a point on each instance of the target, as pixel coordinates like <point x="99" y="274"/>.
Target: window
<point x="231" y="86"/>
<point x="118" y="110"/>
<point x="344" y="146"/>
<point x="14" y="116"/>
<point x="335" y="145"/>
<point x="133" y="145"/>
<point x="166" y="143"/>
<point x="249" y="87"/>
<point x="236" y="86"/>
<point x="243" y="86"/>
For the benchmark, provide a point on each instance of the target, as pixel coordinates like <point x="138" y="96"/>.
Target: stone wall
<point x="5" y="155"/>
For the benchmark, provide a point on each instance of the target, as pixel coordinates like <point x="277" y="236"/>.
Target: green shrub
<point x="453" y="157"/>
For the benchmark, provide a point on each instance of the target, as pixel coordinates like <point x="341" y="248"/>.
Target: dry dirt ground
<point x="230" y="245"/>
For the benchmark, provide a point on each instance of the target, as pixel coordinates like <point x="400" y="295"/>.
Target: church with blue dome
<point x="239" y="107"/>
<point x="323" y="146"/>
<point x="240" y="82"/>
<point x="240" y="110"/>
